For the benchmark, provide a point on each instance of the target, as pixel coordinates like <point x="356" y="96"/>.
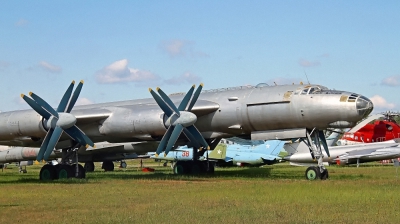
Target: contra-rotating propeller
<point x="58" y="120"/>
<point x="179" y="119"/>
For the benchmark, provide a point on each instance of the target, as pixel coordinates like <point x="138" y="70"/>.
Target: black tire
<point x="108" y="166"/>
<point x="123" y="165"/>
<point x="81" y="172"/>
<point x="48" y="172"/>
<point x="211" y="167"/>
<point x="324" y="175"/>
<point x="64" y="171"/>
<point x="313" y="173"/>
<point x="179" y="169"/>
<point x="195" y="168"/>
<point x="89" y="166"/>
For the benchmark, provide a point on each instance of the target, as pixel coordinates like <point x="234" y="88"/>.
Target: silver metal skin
<point x="258" y="112"/>
<point x="349" y="154"/>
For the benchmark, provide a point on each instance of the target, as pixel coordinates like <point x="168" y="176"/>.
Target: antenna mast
<point x="306" y="77"/>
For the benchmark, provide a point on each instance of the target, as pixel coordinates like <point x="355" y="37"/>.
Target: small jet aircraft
<point x="230" y="154"/>
<point x="376" y="128"/>
<point x="196" y="118"/>
<point x="348" y="154"/>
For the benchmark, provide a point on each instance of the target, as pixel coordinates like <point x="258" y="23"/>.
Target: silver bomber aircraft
<point x="259" y="112"/>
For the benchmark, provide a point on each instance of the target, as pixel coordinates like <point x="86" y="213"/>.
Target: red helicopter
<point x="376" y="128"/>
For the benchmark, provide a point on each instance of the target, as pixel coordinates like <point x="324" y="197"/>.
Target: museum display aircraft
<point x="265" y="153"/>
<point x="376" y="128"/>
<point x="204" y="117"/>
<point x="104" y="152"/>
<point x="346" y="154"/>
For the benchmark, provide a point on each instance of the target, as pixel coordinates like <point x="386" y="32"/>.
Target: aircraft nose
<point x="364" y="106"/>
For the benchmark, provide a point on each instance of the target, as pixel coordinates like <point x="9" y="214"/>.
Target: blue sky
<point x="121" y="48"/>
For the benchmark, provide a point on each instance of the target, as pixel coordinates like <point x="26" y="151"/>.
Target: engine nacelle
<point x="22" y="123"/>
<point x="134" y="122"/>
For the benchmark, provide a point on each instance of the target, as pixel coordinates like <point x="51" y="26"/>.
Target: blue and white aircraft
<point x="232" y="154"/>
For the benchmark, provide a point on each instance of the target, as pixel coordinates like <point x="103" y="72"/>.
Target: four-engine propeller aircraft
<point x="259" y="112"/>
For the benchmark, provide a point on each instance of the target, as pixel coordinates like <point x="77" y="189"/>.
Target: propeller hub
<point x="185" y="119"/>
<point x="66" y="120"/>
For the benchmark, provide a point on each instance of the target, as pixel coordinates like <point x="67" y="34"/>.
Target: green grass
<point x="273" y="194"/>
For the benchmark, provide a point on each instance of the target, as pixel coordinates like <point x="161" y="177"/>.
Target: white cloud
<point x="381" y="104"/>
<point x="49" y="67"/>
<point x="307" y="63"/>
<point x="391" y="81"/>
<point x="181" y="48"/>
<point x="119" y="72"/>
<point x="4" y="65"/>
<point x="83" y="101"/>
<point x="184" y="78"/>
<point x="21" y="22"/>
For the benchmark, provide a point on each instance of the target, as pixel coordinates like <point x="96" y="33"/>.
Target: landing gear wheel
<point x="179" y="168"/>
<point x="123" y="164"/>
<point x="81" y="171"/>
<point x="211" y="167"/>
<point x="64" y="171"/>
<point x="195" y="168"/>
<point x="313" y="173"/>
<point x="108" y="166"/>
<point x="324" y="174"/>
<point x="48" y="172"/>
<point x="89" y="166"/>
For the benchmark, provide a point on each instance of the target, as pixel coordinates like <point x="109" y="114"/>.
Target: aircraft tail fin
<point x="274" y="147"/>
<point x="333" y="137"/>
<point x="219" y="153"/>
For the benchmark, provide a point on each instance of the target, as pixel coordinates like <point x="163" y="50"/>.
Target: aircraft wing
<point x="358" y="154"/>
<point x="89" y="116"/>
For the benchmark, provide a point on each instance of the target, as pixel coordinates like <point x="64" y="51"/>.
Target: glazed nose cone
<point x="364" y="106"/>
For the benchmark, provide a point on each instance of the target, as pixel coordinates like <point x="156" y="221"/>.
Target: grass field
<point x="273" y="194"/>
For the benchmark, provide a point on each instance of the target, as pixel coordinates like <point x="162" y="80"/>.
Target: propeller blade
<point x="161" y="103"/>
<point x="75" y="96"/>
<point x="43" y="104"/>
<point x="323" y="142"/>
<point x="185" y="100"/>
<point x="36" y="107"/>
<point x="64" y="101"/>
<point x="53" y="141"/>
<point x="77" y="134"/>
<point x="174" y="136"/>
<point x="44" y="145"/>
<point x="192" y="139"/>
<point x="195" y="96"/>
<point x="193" y="130"/>
<point x="168" y="100"/>
<point x="164" y="140"/>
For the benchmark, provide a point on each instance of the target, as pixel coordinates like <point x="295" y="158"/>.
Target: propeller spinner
<point x="58" y="120"/>
<point x="179" y="119"/>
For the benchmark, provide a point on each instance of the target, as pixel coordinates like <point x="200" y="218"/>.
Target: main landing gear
<point x="61" y="171"/>
<point x="66" y="169"/>
<point x="316" y="172"/>
<point x="193" y="167"/>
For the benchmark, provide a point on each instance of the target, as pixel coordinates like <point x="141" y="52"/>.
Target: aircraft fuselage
<point x="220" y="113"/>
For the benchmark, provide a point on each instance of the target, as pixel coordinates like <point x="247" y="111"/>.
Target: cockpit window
<point x="310" y="90"/>
<point x="304" y="92"/>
